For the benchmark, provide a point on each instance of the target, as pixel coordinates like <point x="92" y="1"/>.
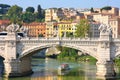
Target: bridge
<point x="17" y="51"/>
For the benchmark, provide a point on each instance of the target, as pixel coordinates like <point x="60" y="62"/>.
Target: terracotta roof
<point x="4" y="22"/>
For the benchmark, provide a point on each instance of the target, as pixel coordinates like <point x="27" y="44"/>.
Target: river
<point x="46" y="69"/>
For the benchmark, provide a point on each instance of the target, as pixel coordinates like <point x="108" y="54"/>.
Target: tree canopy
<point x="30" y="9"/>
<point x="106" y="8"/>
<point x="92" y="10"/>
<point x="82" y="28"/>
<point x="14" y="13"/>
<point x="4" y="8"/>
<point x="27" y="17"/>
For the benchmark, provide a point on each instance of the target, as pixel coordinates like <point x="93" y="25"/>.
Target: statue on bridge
<point x="12" y="28"/>
<point x="105" y="29"/>
<point x="24" y="30"/>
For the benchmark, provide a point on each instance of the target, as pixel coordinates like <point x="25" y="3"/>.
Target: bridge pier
<point x="105" y="69"/>
<point x="16" y="67"/>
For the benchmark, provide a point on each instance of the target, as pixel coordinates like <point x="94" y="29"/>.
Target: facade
<point x="102" y="18"/>
<point x="54" y="14"/>
<point x="60" y="29"/>
<point x="114" y="11"/>
<point x="51" y="14"/>
<point x="66" y="27"/>
<point x="36" y="29"/>
<point x="94" y="32"/>
<point x="115" y="24"/>
<point x="110" y="19"/>
<point x="49" y="29"/>
<point x="3" y="24"/>
<point x="59" y="14"/>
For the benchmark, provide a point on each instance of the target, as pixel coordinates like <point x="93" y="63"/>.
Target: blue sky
<point x="63" y="3"/>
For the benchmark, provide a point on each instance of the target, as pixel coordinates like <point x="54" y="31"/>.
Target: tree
<point x="14" y="14"/>
<point x="40" y="35"/>
<point x="39" y="9"/>
<point x="69" y="34"/>
<point x="4" y="8"/>
<point x="92" y="10"/>
<point x="27" y="17"/>
<point x="30" y="9"/>
<point x="40" y="15"/>
<point x="82" y="28"/>
<point x="106" y="8"/>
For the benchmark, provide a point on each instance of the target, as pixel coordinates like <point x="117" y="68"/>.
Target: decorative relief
<point x="12" y="28"/>
<point x="94" y="49"/>
<point x="102" y="61"/>
<point x="105" y="45"/>
<point x="2" y="48"/>
<point x="11" y="44"/>
<point x="105" y="29"/>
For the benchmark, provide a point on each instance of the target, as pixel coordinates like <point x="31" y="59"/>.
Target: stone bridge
<point x="17" y="51"/>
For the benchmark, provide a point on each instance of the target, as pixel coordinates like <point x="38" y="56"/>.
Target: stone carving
<point x="24" y="30"/>
<point x="11" y="44"/>
<point x="105" y="45"/>
<point x="105" y="29"/>
<point x="12" y="28"/>
<point x="95" y="49"/>
<point x="102" y="61"/>
<point x="2" y="48"/>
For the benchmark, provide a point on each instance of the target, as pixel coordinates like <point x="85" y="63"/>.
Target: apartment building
<point x="4" y="24"/>
<point x="53" y="14"/>
<point x="36" y="29"/>
<point x="49" y="29"/>
<point x="114" y="11"/>
<point x="94" y="32"/>
<point x="115" y="24"/>
<point x="66" y="27"/>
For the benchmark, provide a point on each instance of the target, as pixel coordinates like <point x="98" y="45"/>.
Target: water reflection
<point x="47" y="70"/>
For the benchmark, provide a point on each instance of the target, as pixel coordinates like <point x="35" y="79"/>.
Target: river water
<point x="46" y="69"/>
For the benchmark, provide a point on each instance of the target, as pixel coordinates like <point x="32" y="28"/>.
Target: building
<point x="115" y="24"/>
<point x="59" y="14"/>
<point x="94" y="32"/>
<point x="66" y="27"/>
<point x="102" y="18"/>
<point x="114" y="11"/>
<point x="49" y="29"/>
<point x="36" y="29"/>
<point x="53" y="14"/>
<point x="4" y="24"/>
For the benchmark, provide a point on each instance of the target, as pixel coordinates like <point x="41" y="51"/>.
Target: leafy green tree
<point x="30" y="9"/>
<point x="40" y="35"/>
<point x="14" y="14"/>
<point x="106" y="8"/>
<point x="82" y="28"/>
<point x="69" y="34"/>
<point x="92" y="10"/>
<point x="40" y="15"/>
<point x="67" y="53"/>
<point x="39" y="9"/>
<point x="27" y="17"/>
<point x="4" y="8"/>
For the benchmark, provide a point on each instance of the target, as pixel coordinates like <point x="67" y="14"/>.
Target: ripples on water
<point x="47" y="70"/>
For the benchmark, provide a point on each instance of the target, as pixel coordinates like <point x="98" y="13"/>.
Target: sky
<point x="62" y="3"/>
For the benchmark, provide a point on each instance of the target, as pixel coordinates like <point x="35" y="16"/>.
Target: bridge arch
<point x="31" y="50"/>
